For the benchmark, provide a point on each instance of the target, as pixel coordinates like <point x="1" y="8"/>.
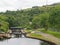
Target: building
<point x="16" y="29"/>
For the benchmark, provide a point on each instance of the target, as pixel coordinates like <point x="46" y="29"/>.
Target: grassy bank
<point x="42" y="38"/>
<point x="56" y="34"/>
<point x="35" y="35"/>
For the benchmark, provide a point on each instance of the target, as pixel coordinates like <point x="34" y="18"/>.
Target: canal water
<point x="22" y="41"/>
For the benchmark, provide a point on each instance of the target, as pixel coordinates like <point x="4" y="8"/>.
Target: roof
<point x="15" y="28"/>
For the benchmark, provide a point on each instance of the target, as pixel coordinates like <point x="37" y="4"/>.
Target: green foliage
<point x="3" y="17"/>
<point x="41" y="21"/>
<point x="4" y="26"/>
<point x="55" y="17"/>
<point x="56" y="34"/>
<point x="12" y="21"/>
<point x="41" y="17"/>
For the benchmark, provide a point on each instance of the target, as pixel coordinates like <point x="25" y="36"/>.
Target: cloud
<point x="20" y="4"/>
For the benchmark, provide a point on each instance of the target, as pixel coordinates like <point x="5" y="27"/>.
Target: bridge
<point x="13" y="32"/>
<point x="17" y="32"/>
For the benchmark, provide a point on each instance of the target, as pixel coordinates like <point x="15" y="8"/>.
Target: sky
<point x="23" y="4"/>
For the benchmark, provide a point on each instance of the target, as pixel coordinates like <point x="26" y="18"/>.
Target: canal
<point x="22" y="41"/>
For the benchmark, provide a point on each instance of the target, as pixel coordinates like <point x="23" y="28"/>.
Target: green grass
<point x="35" y="35"/>
<point x="28" y="31"/>
<point x="56" y="34"/>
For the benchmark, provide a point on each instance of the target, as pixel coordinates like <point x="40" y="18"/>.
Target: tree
<point x="3" y="17"/>
<point x="54" y="18"/>
<point x="4" y="26"/>
<point x="41" y="21"/>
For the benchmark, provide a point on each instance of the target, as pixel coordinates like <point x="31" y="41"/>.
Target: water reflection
<point x="21" y="41"/>
<point x="44" y="43"/>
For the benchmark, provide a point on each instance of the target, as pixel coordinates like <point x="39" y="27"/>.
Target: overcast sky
<point x="21" y="4"/>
